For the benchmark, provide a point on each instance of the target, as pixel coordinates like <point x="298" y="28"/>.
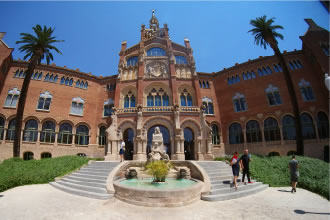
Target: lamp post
<point x="327" y="81"/>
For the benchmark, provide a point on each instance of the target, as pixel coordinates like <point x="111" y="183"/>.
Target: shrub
<point x="158" y="169"/>
<point x="17" y="172"/>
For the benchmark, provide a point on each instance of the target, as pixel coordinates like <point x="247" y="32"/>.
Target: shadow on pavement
<point x="1" y="196"/>
<point x="283" y="190"/>
<point x="302" y="212"/>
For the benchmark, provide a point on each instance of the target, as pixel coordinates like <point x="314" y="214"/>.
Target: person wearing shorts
<point x="235" y="167"/>
<point x="122" y="150"/>
<point x="294" y="173"/>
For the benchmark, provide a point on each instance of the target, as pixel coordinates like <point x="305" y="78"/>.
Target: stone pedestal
<point x="208" y="157"/>
<point x="200" y="156"/>
<point x="112" y="157"/>
<point x="178" y="156"/>
<point x="140" y="157"/>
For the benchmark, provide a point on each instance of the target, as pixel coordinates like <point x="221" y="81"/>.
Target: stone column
<point x="263" y="136"/>
<point x="245" y="139"/>
<point x="281" y="135"/>
<point x="144" y="146"/>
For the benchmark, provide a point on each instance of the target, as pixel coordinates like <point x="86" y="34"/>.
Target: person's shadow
<point x="283" y="190"/>
<point x="302" y="212"/>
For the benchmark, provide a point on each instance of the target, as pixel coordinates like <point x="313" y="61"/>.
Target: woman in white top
<point x="122" y="150"/>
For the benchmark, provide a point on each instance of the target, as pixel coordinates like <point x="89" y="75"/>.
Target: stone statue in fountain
<point x="157" y="147"/>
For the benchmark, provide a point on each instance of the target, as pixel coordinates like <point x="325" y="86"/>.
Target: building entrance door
<point x="189" y="151"/>
<point x="166" y="139"/>
<point x="129" y="144"/>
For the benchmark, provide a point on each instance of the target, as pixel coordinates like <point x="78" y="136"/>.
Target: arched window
<point x="17" y="74"/>
<point x="272" y="131"/>
<point x="47" y="77"/>
<point x="289" y="127"/>
<point x="62" y="80"/>
<point x="204" y="85"/>
<point x="260" y="72"/>
<point x="11" y="130"/>
<point x="180" y="60"/>
<point x="295" y="65"/>
<point x="269" y="70"/>
<point x="82" y="84"/>
<point x="47" y="135"/>
<point x="71" y="82"/>
<point x="306" y="90"/>
<point x="65" y="134"/>
<point x="299" y="64"/>
<point x="273" y="95"/>
<point x="108" y="105"/>
<point x="12" y="98"/>
<point x="156" y="52"/>
<point x="67" y="81"/>
<point x="77" y="106"/>
<point x="166" y="100"/>
<point x="2" y="127"/>
<point x="158" y="100"/>
<point x="46" y="155"/>
<point x="81" y="155"/>
<point x="253" y="75"/>
<point x="210" y="108"/>
<point x="207" y="84"/>
<point x="200" y="83"/>
<point x="253" y="132"/>
<point x="126" y="102"/>
<point x="238" y="79"/>
<point x="276" y="68"/>
<point x="129" y="100"/>
<point x="307" y="126"/>
<point x="51" y="78"/>
<point x="291" y="65"/>
<point x="31" y="131"/>
<point x="150" y="100"/>
<point x="183" y="100"/>
<point x="235" y="134"/>
<point x="132" y="61"/>
<point x="189" y="100"/>
<point x="215" y="134"/>
<point x="28" y="155"/>
<point x="78" y="84"/>
<point x="208" y="103"/>
<point x="36" y="74"/>
<point x="239" y="102"/>
<point x="82" y="137"/>
<point x="322" y="125"/>
<point x="44" y="101"/>
<point x="102" y="136"/>
<point x="55" y="79"/>
<point x="132" y="103"/>
<point x="86" y="85"/>
<point x="245" y="77"/>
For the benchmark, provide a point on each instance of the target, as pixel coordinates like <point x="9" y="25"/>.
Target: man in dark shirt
<point x="294" y="173"/>
<point x="245" y="160"/>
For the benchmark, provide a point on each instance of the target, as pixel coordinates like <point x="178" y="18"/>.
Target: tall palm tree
<point x="36" y="48"/>
<point x="265" y="34"/>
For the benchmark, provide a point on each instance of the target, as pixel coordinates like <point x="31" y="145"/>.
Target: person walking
<point x="235" y="167"/>
<point x="122" y="150"/>
<point x="244" y="160"/>
<point x="294" y="173"/>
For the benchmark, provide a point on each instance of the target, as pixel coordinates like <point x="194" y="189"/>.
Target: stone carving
<point x="157" y="147"/>
<point x="156" y="70"/>
<point x="112" y="129"/>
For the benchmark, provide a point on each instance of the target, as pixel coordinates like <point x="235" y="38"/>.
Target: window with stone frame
<point x="65" y="134"/>
<point x="30" y="132"/>
<point x="132" y="61"/>
<point x="239" y="102"/>
<point x="215" y="134"/>
<point x="157" y="98"/>
<point x="306" y="90"/>
<point x="208" y="103"/>
<point x="180" y="60"/>
<point x="156" y="51"/>
<point x="129" y="100"/>
<point x="235" y="134"/>
<point x="12" y="98"/>
<point x="10" y="135"/>
<point x="271" y="130"/>
<point x="108" y="107"/>
<point x="322" y="125"/>
<point x="273" y="95"/>
<point x="44" y="101"/>
<point x="46" y="155"/>
<point x="253" y="132"/>
<point x="2" y="127"/>
<point x="102" y="136"/>
<point x="308" y="128"/>
<point x="47" y="134"/>
<point x="185" y="98"/>
<point x="82" y="135"/>
<point x="77" y="106"/>
<point x="28" y="155"/>
<point x="289" y="127"/>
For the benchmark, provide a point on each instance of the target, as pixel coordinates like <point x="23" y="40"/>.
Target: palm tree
<point x="265" y="34"/>
<point x="36" y="48"/>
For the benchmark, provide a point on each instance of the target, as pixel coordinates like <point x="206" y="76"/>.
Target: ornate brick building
<point x="71" y="112"/>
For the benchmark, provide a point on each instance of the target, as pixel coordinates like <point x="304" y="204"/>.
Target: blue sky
<point x="218" y="31"/>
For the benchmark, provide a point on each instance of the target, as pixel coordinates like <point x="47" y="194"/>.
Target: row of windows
<point x="28" y="155"/>
<point x="111" y="87"/>
<point x="158" y="98"/>
<point x="204" y="84"/>
<point x="52" y="78"/>
<point x="48" y="133"/>
<point x="273" y="96"/>
<point x="263" y="71"/>
<point x="272" y="130"/>
<point x="132" y="61"/>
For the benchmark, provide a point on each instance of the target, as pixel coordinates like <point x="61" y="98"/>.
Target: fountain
<point x="159" y="182"/>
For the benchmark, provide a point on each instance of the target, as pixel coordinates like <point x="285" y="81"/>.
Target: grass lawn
<point x="17" y="172"/>
<point x="313" y="173"/>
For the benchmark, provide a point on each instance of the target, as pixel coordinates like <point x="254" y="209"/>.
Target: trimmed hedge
<point x="17" y="172"/>
<point x="313" y="173"/>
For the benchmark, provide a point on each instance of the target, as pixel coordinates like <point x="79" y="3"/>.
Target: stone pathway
<point x="36" y="202"/>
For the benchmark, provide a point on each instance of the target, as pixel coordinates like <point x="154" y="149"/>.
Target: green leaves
<point x="40" y="44"/>
<point x="159" y="170"/>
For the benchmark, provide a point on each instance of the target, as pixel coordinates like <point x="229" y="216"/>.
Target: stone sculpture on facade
<point x="157" y="147"/>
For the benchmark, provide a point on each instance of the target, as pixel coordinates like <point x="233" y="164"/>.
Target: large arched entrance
<point x="166" y="139"/>
<point x="189" y="151"/>
<point x="128" y="138"/>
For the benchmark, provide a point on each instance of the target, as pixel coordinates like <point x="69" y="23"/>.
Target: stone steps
<point x="221" y="176"/>
<point x="89" y="181"/>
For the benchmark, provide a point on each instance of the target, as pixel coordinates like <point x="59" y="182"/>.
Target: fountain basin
<point x="173" y="193"/>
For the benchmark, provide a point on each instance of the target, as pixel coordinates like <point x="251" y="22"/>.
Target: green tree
<point x="36" y="48"/>
<point x="265" y="34"/>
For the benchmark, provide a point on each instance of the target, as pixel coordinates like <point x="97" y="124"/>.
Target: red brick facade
<point x="147" y="75"/>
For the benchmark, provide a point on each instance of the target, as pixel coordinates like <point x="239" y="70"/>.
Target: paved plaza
<point x="45" y="202"/>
